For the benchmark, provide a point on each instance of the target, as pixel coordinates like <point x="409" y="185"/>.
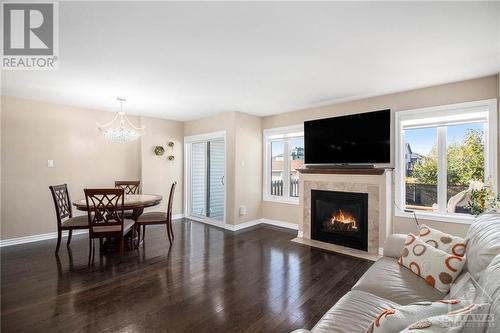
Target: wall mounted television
<point x="358" y="139"/>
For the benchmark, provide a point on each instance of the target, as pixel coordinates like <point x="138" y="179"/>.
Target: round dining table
<point x="134" y="202"/>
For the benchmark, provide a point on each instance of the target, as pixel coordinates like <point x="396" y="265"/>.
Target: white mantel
<point x="377" y="183"/>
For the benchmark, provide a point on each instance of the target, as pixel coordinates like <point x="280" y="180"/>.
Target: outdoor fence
<point x="277" y="187"/>
<point x="426" y="195"/>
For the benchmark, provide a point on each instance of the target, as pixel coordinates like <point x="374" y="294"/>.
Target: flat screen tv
<point x="363" y="138"/>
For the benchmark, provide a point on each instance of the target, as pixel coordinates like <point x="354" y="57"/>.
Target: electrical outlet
<point x="50" y="163"/>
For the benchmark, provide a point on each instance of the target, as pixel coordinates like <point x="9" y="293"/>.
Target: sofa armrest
<point x="394" y="245"/>
<point x="302" y="330"/>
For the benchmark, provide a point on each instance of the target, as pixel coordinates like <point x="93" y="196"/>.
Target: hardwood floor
<point x="211" y="280"/>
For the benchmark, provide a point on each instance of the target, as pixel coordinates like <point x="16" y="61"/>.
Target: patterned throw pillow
<point x="438" y="268"/>
<point x="395" y="320"/>
<point x="453" y="322"/>
<point x="450" y="244"/>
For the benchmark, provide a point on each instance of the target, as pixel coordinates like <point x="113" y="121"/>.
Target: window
<point x="442" y="153"/>
<point x="284" y="154"/>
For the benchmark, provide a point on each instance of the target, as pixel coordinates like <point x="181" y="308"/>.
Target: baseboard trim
<point x="249" y="224"/>
<point x="37" y="238"/>
<point x="231" y="227"/>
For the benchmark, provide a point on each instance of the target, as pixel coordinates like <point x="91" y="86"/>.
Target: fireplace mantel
<point x="344" y="171"/>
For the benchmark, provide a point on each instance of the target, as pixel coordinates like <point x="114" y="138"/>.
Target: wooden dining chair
<point x="152" y="218"/>
<point x="105" y="217"/>
<point x="64" y="214"/>
<point x="130" y="187"/>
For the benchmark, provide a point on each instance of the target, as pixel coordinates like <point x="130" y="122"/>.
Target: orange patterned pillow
<point x="438" y="268"/>
<point x="450" y="244"/>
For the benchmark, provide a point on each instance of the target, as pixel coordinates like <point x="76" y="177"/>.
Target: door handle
<point x="222" y="180"/>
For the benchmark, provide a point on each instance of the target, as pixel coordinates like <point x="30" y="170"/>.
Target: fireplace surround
<point x="374" y="182"/>
<point x="340" y="218"/>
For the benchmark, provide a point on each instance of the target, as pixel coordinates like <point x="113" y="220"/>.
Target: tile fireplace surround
<point x="375" y="182"/>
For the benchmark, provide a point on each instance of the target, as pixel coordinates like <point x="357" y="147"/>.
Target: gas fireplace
<point x="340" y="218"/>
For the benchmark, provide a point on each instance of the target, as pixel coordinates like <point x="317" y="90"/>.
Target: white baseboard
<point x="232" y="227"/>
<point x="248" y="224"/>
<point x="36" y="238"/>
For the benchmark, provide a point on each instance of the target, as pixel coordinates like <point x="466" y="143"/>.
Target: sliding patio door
<point x="206" y="198"/>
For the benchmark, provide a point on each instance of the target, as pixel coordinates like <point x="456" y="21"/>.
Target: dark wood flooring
<point x="210" y="280"/>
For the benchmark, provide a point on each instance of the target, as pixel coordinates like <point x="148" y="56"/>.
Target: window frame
<point x="445" y="115"/>
<point x="279" y="133"/>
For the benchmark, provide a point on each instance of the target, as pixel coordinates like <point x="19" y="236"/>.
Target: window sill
<point x="450" y="218"/>
<point x="289" y="201"/>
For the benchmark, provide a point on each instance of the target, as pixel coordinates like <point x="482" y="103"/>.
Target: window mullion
<point x="442" y="183"/>
<point x="286" y="168"/>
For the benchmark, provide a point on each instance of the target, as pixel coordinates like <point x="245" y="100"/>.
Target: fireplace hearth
<point x="340" y="218"/>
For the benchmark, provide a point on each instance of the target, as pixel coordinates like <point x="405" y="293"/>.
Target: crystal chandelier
<point x="125" y="131"/>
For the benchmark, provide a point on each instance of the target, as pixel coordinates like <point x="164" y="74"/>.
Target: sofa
<point x="386" y="284"/>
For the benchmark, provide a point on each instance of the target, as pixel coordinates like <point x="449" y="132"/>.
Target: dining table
<point x="134" y="202"/>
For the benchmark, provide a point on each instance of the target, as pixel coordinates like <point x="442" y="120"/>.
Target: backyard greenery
<point x="465" y="162"/>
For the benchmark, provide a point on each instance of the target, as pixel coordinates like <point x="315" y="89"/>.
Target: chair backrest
<point x="171" y="200"/>
<point x="62" y="202"/>
<point x="129" y="186"/>
<point x="105" y="207"/>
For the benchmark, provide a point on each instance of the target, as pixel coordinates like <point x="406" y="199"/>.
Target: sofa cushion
<point x="353" y="313"/>
<point x="389" y="280"/>
<point x="483" y="243"/>
<point x="452" y="322"/>
<point x="438" y="268"/>
<point x="450" y="244"/>
<point x="398" y="318"/>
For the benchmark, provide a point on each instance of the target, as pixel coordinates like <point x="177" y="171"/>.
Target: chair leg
<point x="143" y="232"/>
<point x="93" y="252"/>
<point x="90" y="250"/>
<point x="138" y="228"/>
<point x="171" y="228"/>
<point x="59" y="236"/>
<point x="70" y="234"/>
<point x="122" y="239"/>
<point x="168" y="234"/>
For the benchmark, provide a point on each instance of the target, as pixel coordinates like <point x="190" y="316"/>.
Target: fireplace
<point x="340" y="218"/>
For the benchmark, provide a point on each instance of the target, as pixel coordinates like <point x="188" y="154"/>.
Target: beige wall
<point x="33" y="132"/>
<point x="248" y="167"/>
<point x="158" y="172"/>
<point x="471" y="90"/>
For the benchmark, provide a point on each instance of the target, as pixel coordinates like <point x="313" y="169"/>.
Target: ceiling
<point x="187" y="60"/>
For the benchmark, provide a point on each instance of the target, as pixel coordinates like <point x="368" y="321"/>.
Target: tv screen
<point x="363" y="138"/>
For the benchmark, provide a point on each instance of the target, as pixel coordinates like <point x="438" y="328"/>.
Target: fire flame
<point x="343" y="217"/>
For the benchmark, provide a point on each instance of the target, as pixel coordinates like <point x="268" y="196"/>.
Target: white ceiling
<point x="186" y="60"/>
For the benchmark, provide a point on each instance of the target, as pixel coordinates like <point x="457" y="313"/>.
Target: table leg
<point x="136" y="237"/>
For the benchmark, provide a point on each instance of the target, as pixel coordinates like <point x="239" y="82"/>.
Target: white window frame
<point x="484" y="110"/>
<point x="269" y="135"/>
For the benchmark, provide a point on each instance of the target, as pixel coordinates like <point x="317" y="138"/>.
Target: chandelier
<point x="124" y="131"/>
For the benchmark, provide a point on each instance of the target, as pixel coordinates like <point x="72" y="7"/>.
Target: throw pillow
<point x="450" y="244"/>
<point x="395" y="320"/>
<point x="452" y="322"/>
<point x="438" y="268"/>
